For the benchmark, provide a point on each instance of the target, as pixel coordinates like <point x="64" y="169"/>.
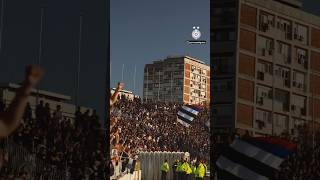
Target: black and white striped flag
<point x="253" y="159"/>
<point x="186" y="114"/>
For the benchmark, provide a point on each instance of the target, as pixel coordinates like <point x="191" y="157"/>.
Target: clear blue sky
<point x="146" y="30"/>
<point x="20" y="45"/>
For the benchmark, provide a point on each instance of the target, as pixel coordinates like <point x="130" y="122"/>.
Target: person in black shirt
<point x="174" y="170"/>
<point x="2" y="106"/>
<point x="27" y="116"/>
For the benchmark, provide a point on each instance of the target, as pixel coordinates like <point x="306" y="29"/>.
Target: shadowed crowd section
<point x="72" y="148"/>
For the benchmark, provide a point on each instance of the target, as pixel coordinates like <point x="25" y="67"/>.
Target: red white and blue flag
<point x="253" y="158"/>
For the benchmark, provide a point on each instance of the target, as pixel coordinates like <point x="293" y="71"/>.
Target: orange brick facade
<point x="245" y="114"/>
<point x="188" y="81"/>
<point x="315" y="61"/>
<point x="315" y="38"/>
<point x="314" y="107"/>
<point x="315" y="84"/>
<point x="186" y="98"/>
<point x="248" y="15"/>
<point x="248" y="40"/>
<point x="245" y="89"/>
<point x="246" y="64"/>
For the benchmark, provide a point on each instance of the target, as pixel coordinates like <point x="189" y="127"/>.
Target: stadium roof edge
<point x="9" y="85"/>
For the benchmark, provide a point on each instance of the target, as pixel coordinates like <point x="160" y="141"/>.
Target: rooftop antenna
<point x="40" y="47"/>
<point x="79" y="60"/>
<point x="122" y="72"/>
<point x="134" y="79"/>
<point x="1" y="24"/>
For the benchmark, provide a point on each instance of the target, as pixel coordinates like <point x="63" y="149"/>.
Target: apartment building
<point x="266" y="55"/>
<point x="180" y="79"/>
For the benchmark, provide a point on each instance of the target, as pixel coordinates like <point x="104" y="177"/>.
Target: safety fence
<point x="124" y="172"/>
<point x="124" y="167"/>
<point x="151" y="163"/>
<point x="20" y="159"/>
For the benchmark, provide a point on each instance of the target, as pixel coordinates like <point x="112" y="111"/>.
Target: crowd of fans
<point x="152" y="126"/>
<point x="75" y="147"/>
<point x="305" y="162"/>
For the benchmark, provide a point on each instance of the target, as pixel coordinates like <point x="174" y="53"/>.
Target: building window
<point x="266" y="21"/>
<point x="300" y="33"/>
<point x="302" y="57"/>
<point x="285" y="26"/>
<point x="298" y="80"/>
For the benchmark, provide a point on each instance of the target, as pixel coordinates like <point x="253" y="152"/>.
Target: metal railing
<point x="20" y="159"/>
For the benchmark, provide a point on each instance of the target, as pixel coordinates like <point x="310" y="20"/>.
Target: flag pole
<point x="40" y="48"/>
<point x="147" y="84"/>
<point x="171" y="85"/>
<point x="122" y="72"/>
<point x="159" y="87"/>
<point x="79" y="61"/>
<point x="313" y="143"/>
<point x="134" y="79"/>
<point x="1" y="24"/>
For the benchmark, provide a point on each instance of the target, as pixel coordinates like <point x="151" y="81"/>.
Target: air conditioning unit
<point x="299" y="85"/>
<point x="288" y="35"/>
<point x="305" y="64"/>
<point x="263" y="52"/>
<point x="265" y="27"/>
<point x="288" y="59"/>
<point x="260" y="123"/>
<point x="294" y="83"/>
<point x="300" y="38"/>
<point x="287" y="82"/>
<point x="261" y="75"/>
<point x="260" y="100"/>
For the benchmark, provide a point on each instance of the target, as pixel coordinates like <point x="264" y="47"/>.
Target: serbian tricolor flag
<point x="253" y="158"/>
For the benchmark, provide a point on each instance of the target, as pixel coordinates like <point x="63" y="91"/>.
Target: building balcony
<point x="264" y="102"/>
<point x="282" y="83"/>
<point x="299" y="86"/>
<point x="298" y="110"/>
<point x="282" y="58"/>
<point x="301" y="62"/>
<point x="266" y="53"/>
<point x="281" y="107"/>
<point x="263" y="126"/>
<point x="265" y="77"/>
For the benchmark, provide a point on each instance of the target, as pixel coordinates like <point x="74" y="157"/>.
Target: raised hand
<point x="33" y="75"/>
<point x="11" y="118"/>
<point x="120" y="86"/>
